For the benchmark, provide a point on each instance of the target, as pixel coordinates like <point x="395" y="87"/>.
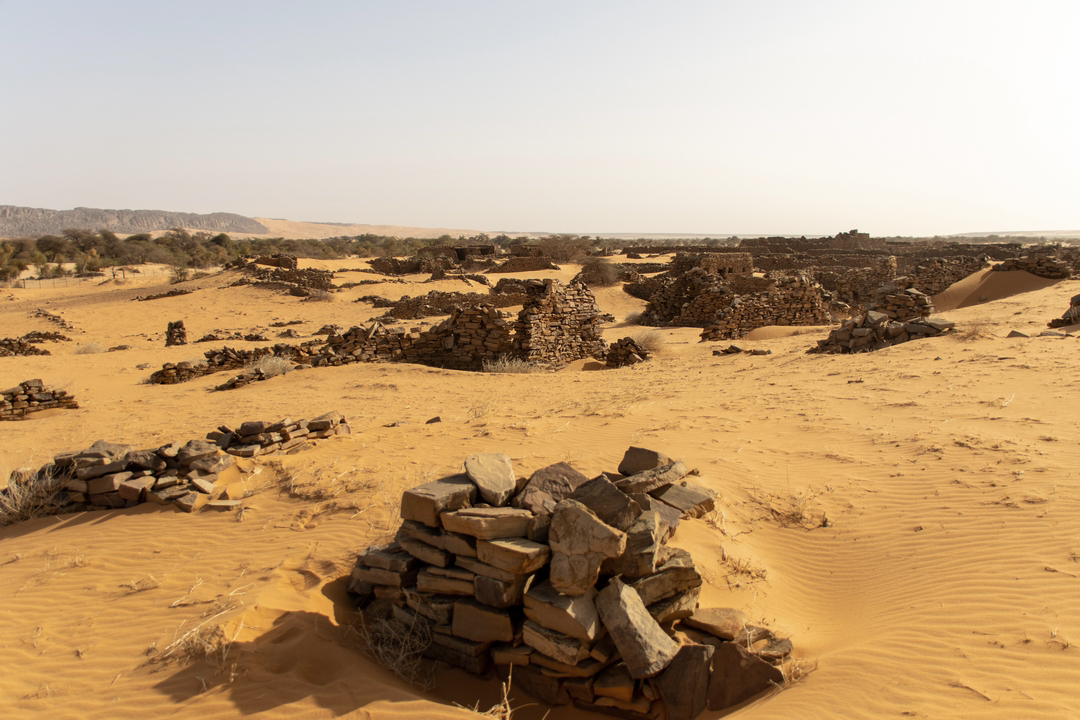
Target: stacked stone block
<point x="896" y="316"/>
<point x="31" y="396"/>
<point x="524" y="264"/>
<point x="176" y="334"/>
<point x="626" y="352"/>
<point x="568" y="584"/>
<point x="10" y="347"/>
<point x="1044" y="266"/>
<point x="558" y="324"/>
<point x="1071" y="316"/>
<point x="186" y="475"/>
<point x="792" y="300"/>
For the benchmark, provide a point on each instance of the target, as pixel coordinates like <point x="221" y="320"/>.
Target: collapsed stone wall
<point x="31" y="396"/>
<point x="569" y="584"/>
<point x="935" y="276"/>
<point x="227" y="358"/>
<point x="856" y="286"/>
<point x="793" y="300"/>
<point x="559" y="324"/>
<point x="175" y="334"/>
<point x="524" y="264"/>
<point x="896" y="316"/>
<point x="24" y="345"/>
<point x="186" y="475"/>
<point x="1040" y="265"/>
<point x="438" y="302"/>
<point x="731" y="263"/>
<point x="1070" y="317"/>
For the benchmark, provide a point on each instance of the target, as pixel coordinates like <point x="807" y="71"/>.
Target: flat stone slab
<point x="684" y="685"/>
<point x="423" y="551"/>
<point x="575" y="616"/>
<point x="481" y="623"/>
<point x="514" y="555"/>
<point x="724" y="623"/>
<point x="608" y="503"/>
<point x="644" y="646"/>
<point x="428" y="581"/>
<point x="674" y="576"/>
<point x="636" y="460"/>
<point x="649" y="480"/>
<point x="562" y="648"/>
<point x="690" y="500"/>
<point x="488" y="523"/>
<point x="379" y="576"/>
<point x="426" y="502"/>
<point x="498" y="593"/>
<point x="493" y="474"/>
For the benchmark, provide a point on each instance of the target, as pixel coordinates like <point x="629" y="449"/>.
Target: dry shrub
<point x="510" y="365"/>
<point x="28" y="495"/>
<point x="598" y="271"/>
<point x="89" y="349"/>
<point x="977" y="329"/>
<point x="270" y="365"/>
<point x="397" y="647"/>
<point x="651" y="340"/>
<point x="319" y="296"/>
<point x="633" y="318"/>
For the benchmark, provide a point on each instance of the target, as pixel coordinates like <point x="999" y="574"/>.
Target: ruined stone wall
<point x="524" y="264"/>
<point x="897" y="315"/>
<point x="1041" y="265"/>
<point x="559" y="324"/>
<point x="1070" y="317"/>
<point x="934" y="276"/>
<point x="31" y="396"/>
<point x="734" y="263"/>
<point x="857" y="286"/>
<point x="794" y="300"/>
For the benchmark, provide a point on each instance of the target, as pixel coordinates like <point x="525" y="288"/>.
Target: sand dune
<point x="943" y="585"/>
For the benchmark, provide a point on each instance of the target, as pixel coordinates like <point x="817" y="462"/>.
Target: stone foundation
<point x="31" y="396"/>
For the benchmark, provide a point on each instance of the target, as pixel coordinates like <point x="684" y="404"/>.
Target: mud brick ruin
<point x="896" y="316"/>
<point x="31" y="396"/>
<point x="1071" y="316"/>
<point x="569" y="585"/>
<point x="176" y="334"/>
<point x="1042" y="265"/>
<point x="186" y="475"/>
<point x="794" y="300"/>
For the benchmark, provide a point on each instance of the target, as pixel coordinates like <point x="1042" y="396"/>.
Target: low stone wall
<point x="524" y="264"/>
<point x="438" y="302"/>
<point x="897" y="316"/>
<point x="1044" y="266"/>
<point x="20" y="346"/>
<point x="1071" y="316"/>
<point x="794" y="300"/>
<point x="31" y="396"/>
<point x="729" y="263"/>
<point x="186" y="475"/>
<point x="568" y="584"/>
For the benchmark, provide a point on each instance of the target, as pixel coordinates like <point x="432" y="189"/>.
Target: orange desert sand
<point x="945" y="584"/>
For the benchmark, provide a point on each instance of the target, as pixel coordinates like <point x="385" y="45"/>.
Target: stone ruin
<point x="791" y="300"/>
<point x="438" y="302"/>
<point x="557" y="325"/>
<point x="186" y="475"/>
<point x="626" y="352"/>
<point x="896" y="316"/>
<point x="1071" y="316"/>
<point x="31" y="396"/>
<point x="24" y="345"/>
<point x="524" y="264"/>
<point x="1038" y="264"/>
<point x="176" y="334"/>
<point x="566" y="586"/>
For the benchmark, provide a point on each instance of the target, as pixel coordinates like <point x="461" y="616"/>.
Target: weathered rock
<point x="445" y="582"/>
<point x="575" y="616"/>
<point x="561" y="648"/>
<point x="643" y="545"/>
<point x="609" y="503"/>
<point x="439" y="609"/>
<point x="684" y="684"/>
<point x="424" y="503"/>
<point x="379" y="576"/>
<point x="775" y="650"/>
<point x="498" y="593"/>
<point x="514" y="555"/>
<point x="677" y="607"/>
<point x="615" y="682"/>
<point x="481" y="623"/>
<point x="690" y="500"/>
<point x="649" y="480"/>
<point x="509" y="654"/>
<point x="643" y="645"/>
<point x="423" y="551"/>
<point x="194" y="450"/>
<point x="669" y="516"/>
<point x="488" y="523"/>
<point x="135" y="488"/>
<point x="493" y="475"/>
<point x="580" y="541"/>
<point x="546" y="689"/>
<point x="724" y="623"/>
<point x="674" y="576"/>
<point x="547" y="486"/>
<point x="389" y="557"/>
<point x="737" y="676"/>
<point x="636" y="460"/>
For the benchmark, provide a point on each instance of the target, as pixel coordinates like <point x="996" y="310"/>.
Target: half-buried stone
<point x="636" y="460"/>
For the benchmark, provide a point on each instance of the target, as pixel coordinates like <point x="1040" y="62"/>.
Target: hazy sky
<point x="697" y="117"/>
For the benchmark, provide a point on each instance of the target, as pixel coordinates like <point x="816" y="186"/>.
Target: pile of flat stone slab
<point x="626" y="352"/>
<point x="567" y="585"/>
<point x="287" y="436"/>
<point x="31" y="396"/>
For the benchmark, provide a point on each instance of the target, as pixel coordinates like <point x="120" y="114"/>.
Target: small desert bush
<point x="651" y="340"/>
<point x="510" y="365"/>
<point x="270" y="365"/>
<point x="27" y="496"/>
<point x="634" y="318"/>
<point x="976" y="329"/>
<point x="598" y="271"/>
<point x="89" y="349"/>
<point x="319" y="296"/>
<point x="397" y="647"/>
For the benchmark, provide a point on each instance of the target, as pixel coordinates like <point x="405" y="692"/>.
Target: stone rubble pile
<point x="31" y="396"/>
<point x="1044" y="266"/>
<point x="438" y="302"/>
<point x="791" y="300"/>
<point x="176" y="334"/>
<point x="1071" y="316"/>
<point x="231" y="359"/>
<point x="20" y="346"/>
<point x="569" y="584"/>
<point x="524" y="264"/>
<point x="55" y="319"/>
<point x="175" y="292"/>
<point x="626" y="352"/>
<point x="224" y="335"/>
<point x="187" y="475"/>
<point x="38" y="336"/>
<point x="896" y="316"/>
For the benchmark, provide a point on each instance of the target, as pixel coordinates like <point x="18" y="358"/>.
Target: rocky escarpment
<point x="18" y="221"/>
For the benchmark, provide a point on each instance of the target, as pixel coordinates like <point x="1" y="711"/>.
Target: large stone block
<point x="488" y="523"/>
<point x="426" y="502"/>
<point x="737" y="676"/>
<point x="514" y="555"/>
<point x="608" y="503"/>
<point x="482" y="623"/>
<point x="493" y="475"/>
<point x="575" y="616"/>
<point x="580" y="542"/>
<point x="644" y="646"/>
<point x="636" y="460"/>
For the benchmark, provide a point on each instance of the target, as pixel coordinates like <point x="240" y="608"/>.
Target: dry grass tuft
<point x="270" y="366"/>
<point x="976" y="329"/>
<point x="651" y="340"/>
<point x="397" y="647"/>
<point x="633" y="318"/>
<point x="510" y="365"/>
<point x="502" y="709"/>
<point x="137" y="586"/>
<point x="89" y="349"/>
<point x="319" y="296"/>
<point x="27" y="496"/>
